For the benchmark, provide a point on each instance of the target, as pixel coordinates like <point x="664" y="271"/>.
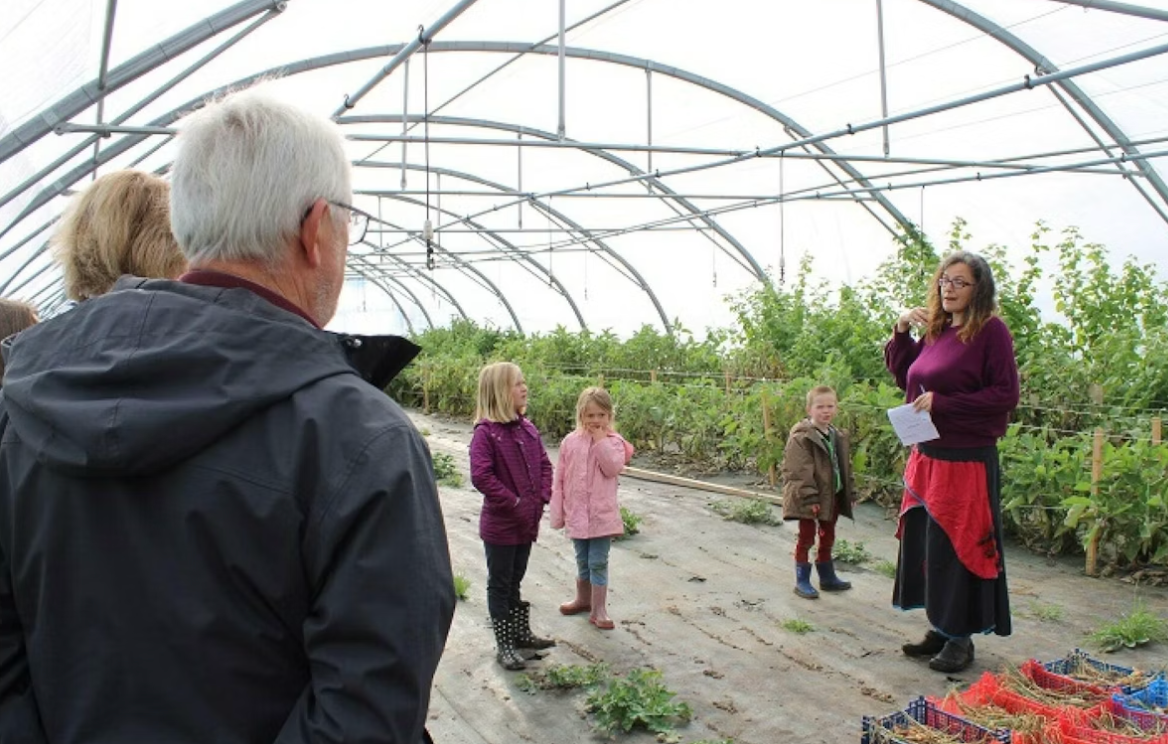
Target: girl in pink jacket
<point x="584" y="500"/>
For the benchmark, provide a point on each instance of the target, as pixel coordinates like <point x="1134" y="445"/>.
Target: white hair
<point x="248" y="169"/>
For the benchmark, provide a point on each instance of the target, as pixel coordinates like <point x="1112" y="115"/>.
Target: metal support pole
<point x="1124" y="8"/>
<point x="103" y="70"/>
<point x="405" y="120"/>
<point x="649" y="113"/>
<point x="519" y="179"/>
<point x="562" y="130"/>
<point x="403" y="55"/>
<point x="883" y="70"/>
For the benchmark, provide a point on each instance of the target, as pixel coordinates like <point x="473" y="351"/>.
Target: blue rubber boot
<point x="803" y="581"/>
<point x="828" y="581"/>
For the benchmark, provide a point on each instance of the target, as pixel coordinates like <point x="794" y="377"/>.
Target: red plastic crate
<point x="1080" y="733"/>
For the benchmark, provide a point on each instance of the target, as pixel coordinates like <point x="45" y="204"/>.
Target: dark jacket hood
<point x="144" y="377"/>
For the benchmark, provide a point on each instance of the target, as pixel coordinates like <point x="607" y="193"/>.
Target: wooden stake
<point x="1096" y="476"/>
<point x="772" y="476"/>
<point x="600" y="380"/>
<point x="652" y="375"/>
<point x="677" y="480"/>
<point x="727" y="382"/>
<point x="1156" y="430"/>
<point x="426" y="392"/>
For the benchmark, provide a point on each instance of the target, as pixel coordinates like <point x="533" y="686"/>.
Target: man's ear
<point x="311" y="229"/>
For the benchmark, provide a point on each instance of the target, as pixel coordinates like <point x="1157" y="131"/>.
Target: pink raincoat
<point x="584" y="489"/>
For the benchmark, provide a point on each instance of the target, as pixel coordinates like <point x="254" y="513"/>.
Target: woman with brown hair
<point x="963" y="372"/>
<point x="119" y="225"/>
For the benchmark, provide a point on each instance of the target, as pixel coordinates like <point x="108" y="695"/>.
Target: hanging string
<point x="782" y="218"/>
<point x="587" y="251"/>
<point x="428" y="226"/>
<point x="922" y="236"/>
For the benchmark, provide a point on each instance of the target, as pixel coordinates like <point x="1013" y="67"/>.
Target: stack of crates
<point x="1083" y="701"/>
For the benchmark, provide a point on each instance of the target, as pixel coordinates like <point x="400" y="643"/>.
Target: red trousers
<point x="807" y="532"/>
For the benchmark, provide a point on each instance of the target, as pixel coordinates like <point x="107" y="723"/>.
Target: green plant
<point x="461" y="586"/>
<point x="1132" y="629"/>
<point x="746" y="511"/>
<point x="886" y="568"/>
<point x="795" y="625"/>
<point x="853" y="553"/>
<point x="1047" y="613"/>
<point x="632" y="523"/>
<point x="424" y="431"/>
<point x="564" y="677"/>
<point x="637" y="699"/>
<point x="446" y="471"/>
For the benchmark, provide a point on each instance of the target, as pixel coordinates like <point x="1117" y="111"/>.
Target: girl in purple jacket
<point x="510" y="467"/>
<point x="584" y="500"/>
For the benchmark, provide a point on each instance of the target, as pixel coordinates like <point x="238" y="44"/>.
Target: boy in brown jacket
<point x="817" y="489"/>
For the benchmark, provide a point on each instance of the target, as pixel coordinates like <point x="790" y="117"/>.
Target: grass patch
<point x="795" y="625"/>
<point x="461" y="587"/>
<point x="886" y="568"/>
<point x="564" y="677"/>
<point x="424" y="431"/>
<point x="632" y="522"/>
<point x="851" y="553"/>
<point x="637" y="700"/>
<point x="746" y="511"/>
<point x="1047" y="613"/>
<point x="1133" y="629"/>
<point x="446" y="470"/>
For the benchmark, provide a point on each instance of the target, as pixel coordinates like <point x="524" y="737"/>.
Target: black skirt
<point x="930" y="575"/>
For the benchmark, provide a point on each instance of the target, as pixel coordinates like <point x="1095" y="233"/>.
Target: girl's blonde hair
<point x="597" y="395"/>
<point x="495" y="383"/>
<point x="119" y="225"/>
<point x="15" y="316"/>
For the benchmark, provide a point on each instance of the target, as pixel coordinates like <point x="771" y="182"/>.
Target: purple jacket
<point x="510" y="468"/>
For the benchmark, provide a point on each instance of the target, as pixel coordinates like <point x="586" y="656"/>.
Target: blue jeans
<point x="592" y="559"/>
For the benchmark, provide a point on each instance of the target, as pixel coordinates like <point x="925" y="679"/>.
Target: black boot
<point x="828" y="581"/>
<point x="930" y="646"/>
<point x="524" y="638"/>
<point x="505" y="653"/>
<point x="954" y="657"/>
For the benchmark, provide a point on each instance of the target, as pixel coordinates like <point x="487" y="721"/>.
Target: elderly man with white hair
<point x="214" y="526"/>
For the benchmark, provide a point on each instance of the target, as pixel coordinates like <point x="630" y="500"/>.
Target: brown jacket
<point x="807" y="475"/>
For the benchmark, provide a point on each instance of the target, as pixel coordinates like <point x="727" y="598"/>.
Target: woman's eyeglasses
<point x="957" y="283"/>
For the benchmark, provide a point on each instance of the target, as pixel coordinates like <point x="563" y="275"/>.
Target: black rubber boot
<point x="803" y="581"/>
<point x="524" y="638"/>
<point x="505" y="653"/>
<point x="931" y="645"/>
<point x="828" y="581"/>
<point x="954" y="657"/>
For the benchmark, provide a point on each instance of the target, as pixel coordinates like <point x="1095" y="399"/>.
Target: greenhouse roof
<point x="608" y="163"/>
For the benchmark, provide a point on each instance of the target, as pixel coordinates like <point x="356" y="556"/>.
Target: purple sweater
<point x="974" y="385"/>
<point x="510" y="467"/>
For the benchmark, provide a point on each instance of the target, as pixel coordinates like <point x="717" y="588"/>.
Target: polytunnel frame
<point x="158" y="55"/>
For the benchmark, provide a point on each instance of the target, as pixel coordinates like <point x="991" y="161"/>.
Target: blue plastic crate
<point x="1078" y="658"/>
<point x="1139" y="706"/>
<point x="881" y="730"/>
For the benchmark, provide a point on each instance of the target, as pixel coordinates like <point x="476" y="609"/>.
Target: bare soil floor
<point x="702" y="599"/>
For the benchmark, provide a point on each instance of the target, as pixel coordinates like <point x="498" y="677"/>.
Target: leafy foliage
<point x="632" y="522"/>
<point x="851" y="553"/>
<point x="446" y="470"/>
<point x="461" y="587"/>
<point x="746" y="511"/>
<point x="1135" y="628"/>
<point x="564" y="677"/>
<point x="797" y="626"/>
<point x="639" y="699"/>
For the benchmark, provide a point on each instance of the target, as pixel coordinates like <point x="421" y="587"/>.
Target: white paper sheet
<point x="912" y="426"/>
